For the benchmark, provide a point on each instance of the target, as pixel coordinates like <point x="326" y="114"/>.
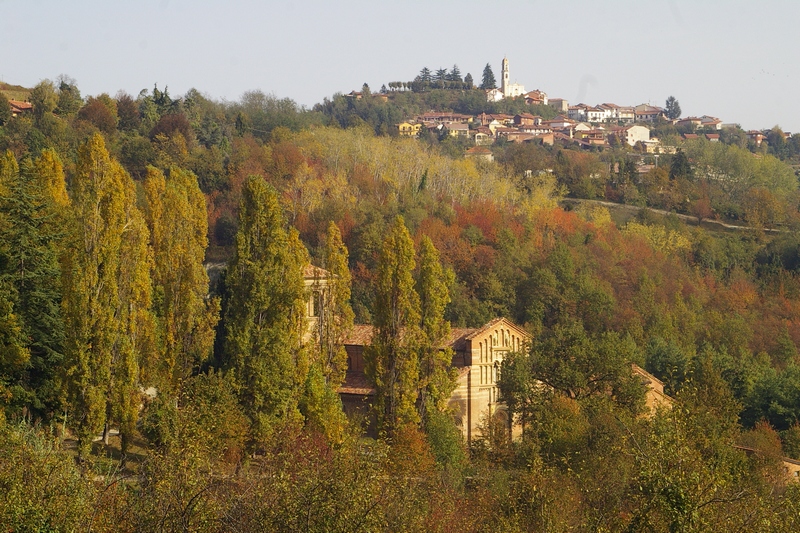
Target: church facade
<point x="477" y="356"/>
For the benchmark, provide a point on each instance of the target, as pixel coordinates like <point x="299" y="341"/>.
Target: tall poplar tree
<point x="321" y="404"/>
<point x="392" y="358"/>
<point x="437" y="378"/>
<point x="337" y="315"/>
<point x="175" y="210"/>
<point x="265" y="315"/>
<point x="105" y="295"/>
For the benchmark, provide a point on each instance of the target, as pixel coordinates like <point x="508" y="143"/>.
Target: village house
<point x="712" y="123"/>
<point x="408" y="129"/>
<point x="559" y="104"/>
<point x="536" y="97"/>
<point x="20" y="108"/>
<point x="481" y="136"/>
<point x="526" y="119"/>
<point x="441" y="118"/>
<point x="456" y="129"/>
<point x="540" y="129"/>
<point x="479" y="152"/>
<point x="647" y="113"/>
<point x="632" y="134"/>
<point x="756" y="136"/>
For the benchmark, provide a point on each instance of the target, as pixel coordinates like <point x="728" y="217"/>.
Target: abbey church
<point x="477" y="356"/>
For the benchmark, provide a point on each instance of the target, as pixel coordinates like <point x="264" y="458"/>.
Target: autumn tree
<point x="265" y="313"/>
<point x="176" y="216"/>
<point x="106" y="296"/>
<point x="436" y="375"/>
<point x="392" y="359"/>
<point x="336" y="316"/>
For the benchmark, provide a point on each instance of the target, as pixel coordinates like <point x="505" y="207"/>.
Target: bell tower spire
<point x="504" y="83"/>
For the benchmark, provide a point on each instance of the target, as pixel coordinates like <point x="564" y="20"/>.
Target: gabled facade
<point x="477" y="356"/>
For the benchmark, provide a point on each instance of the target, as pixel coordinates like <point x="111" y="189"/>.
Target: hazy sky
<point x="736" y="60"/>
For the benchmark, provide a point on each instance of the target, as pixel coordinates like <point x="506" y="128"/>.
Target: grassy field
<point x="14" y="92"/>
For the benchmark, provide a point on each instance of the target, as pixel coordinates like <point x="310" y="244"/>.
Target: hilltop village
<point x="589" y="127"/>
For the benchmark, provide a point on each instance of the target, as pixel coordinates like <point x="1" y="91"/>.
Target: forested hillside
<point x="138" y="394"/>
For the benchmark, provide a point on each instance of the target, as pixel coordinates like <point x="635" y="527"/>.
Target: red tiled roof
<point x="22" y="106"/>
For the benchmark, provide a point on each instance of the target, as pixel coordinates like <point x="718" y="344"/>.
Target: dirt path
<point x="694" y="221"/>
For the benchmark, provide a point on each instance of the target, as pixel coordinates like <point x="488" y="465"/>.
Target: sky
<point x="735" y="60"/>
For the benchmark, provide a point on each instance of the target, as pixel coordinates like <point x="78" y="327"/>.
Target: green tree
<point x="392" y="359"/>
<point x="30" y="265"/>
<point x="5" y="110"/>
<point x="425" y="74"/>
<point x="487" y="80"/>
<point x="336" y="318"/>
<point x="454" y="74"/>
<point x="468" y="81"/>
<point x="103" y="298"/>
<point x="672" y="108"/>
<point x="44" y="98"/>
<point x="69" y="97"/>
<point x="437" y="379"/>
<point x="265" y="313"/>
<point x="680" y="167"/>
<point x="176" y="216"/>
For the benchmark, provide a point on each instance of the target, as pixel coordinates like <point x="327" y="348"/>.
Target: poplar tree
<point x="265" y="318"/>
<point x="176" y="216"/>
<point x="392" y="359"/>
<point x="321" y="404"/>
<point x="135" y="342"/>
<point x="105" y="300"/>
<point x="437" y="378"/>
<point x="337" y="316"/>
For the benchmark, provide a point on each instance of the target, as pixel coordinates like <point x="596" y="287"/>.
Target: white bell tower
<point x="504" y="83"/>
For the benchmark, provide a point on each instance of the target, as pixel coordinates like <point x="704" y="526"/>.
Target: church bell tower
<point x="504" y="83"/>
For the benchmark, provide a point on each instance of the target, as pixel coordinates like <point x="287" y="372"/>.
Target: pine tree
<point x="437" y="380"/>
<point x="468" y="81"/>
<point x="392" y="359"/>
<point x="176" y="217"/>
<point x="31" y="267"/>
<point x="265" y="313"/>
<point x="455" y="74"/>
<point x="14" y="352"/>
<point x="425" y="74"/>
<point x="488" y="81"/>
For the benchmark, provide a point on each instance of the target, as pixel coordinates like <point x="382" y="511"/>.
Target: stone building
<point x="477" y="356"/>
